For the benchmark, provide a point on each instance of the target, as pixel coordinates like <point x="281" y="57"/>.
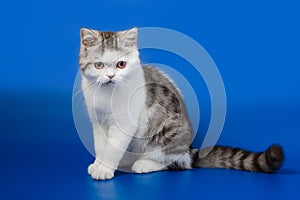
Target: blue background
<point x="255" y="45"/>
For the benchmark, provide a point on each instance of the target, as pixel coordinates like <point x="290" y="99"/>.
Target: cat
<point x="139" y="118"/>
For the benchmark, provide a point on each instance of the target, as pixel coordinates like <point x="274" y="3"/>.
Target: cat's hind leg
<point x="161" y="161"/>
<point x="147" y="165"/>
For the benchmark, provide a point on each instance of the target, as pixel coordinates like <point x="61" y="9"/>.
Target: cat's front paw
<point x="100" y="172"/>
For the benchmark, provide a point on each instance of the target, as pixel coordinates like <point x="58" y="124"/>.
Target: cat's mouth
<point x="110" y="82"/>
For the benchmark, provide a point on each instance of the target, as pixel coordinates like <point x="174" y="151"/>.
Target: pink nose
<point x="110" y="76"/>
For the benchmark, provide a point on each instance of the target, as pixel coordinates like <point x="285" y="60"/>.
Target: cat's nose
<point x="110" y="76"/>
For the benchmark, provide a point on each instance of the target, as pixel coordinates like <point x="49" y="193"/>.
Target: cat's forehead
<point x="108" y="40"/>
<point x="107" y="34"/>
<point x="107" y="56"/>
<point x="107" y="46"/>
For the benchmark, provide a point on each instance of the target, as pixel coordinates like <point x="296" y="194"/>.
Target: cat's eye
<point x="98" y="65"/>
<point x="121" y="64"/>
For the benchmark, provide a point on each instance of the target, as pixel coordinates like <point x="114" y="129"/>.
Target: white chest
<point x="116" y="103"/>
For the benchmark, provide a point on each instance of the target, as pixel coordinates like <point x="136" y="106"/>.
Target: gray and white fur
<point x="139" y="117"/>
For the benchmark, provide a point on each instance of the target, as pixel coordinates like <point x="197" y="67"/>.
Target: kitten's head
<point x="108" y="57"/>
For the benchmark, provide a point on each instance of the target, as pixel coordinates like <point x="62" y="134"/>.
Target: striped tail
<point x="268" y="161"/>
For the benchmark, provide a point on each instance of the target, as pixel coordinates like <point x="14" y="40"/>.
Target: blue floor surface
<point x="42" y="157"/>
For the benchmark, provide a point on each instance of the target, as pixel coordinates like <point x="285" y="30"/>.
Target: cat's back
<point x="160" y="89"/>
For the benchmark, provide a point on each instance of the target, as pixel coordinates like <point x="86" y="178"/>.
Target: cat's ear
<point x="88" y="37"/>
<point x="129" y="37"/>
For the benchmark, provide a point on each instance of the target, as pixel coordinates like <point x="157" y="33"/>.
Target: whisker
<point x="92" y="84"/>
